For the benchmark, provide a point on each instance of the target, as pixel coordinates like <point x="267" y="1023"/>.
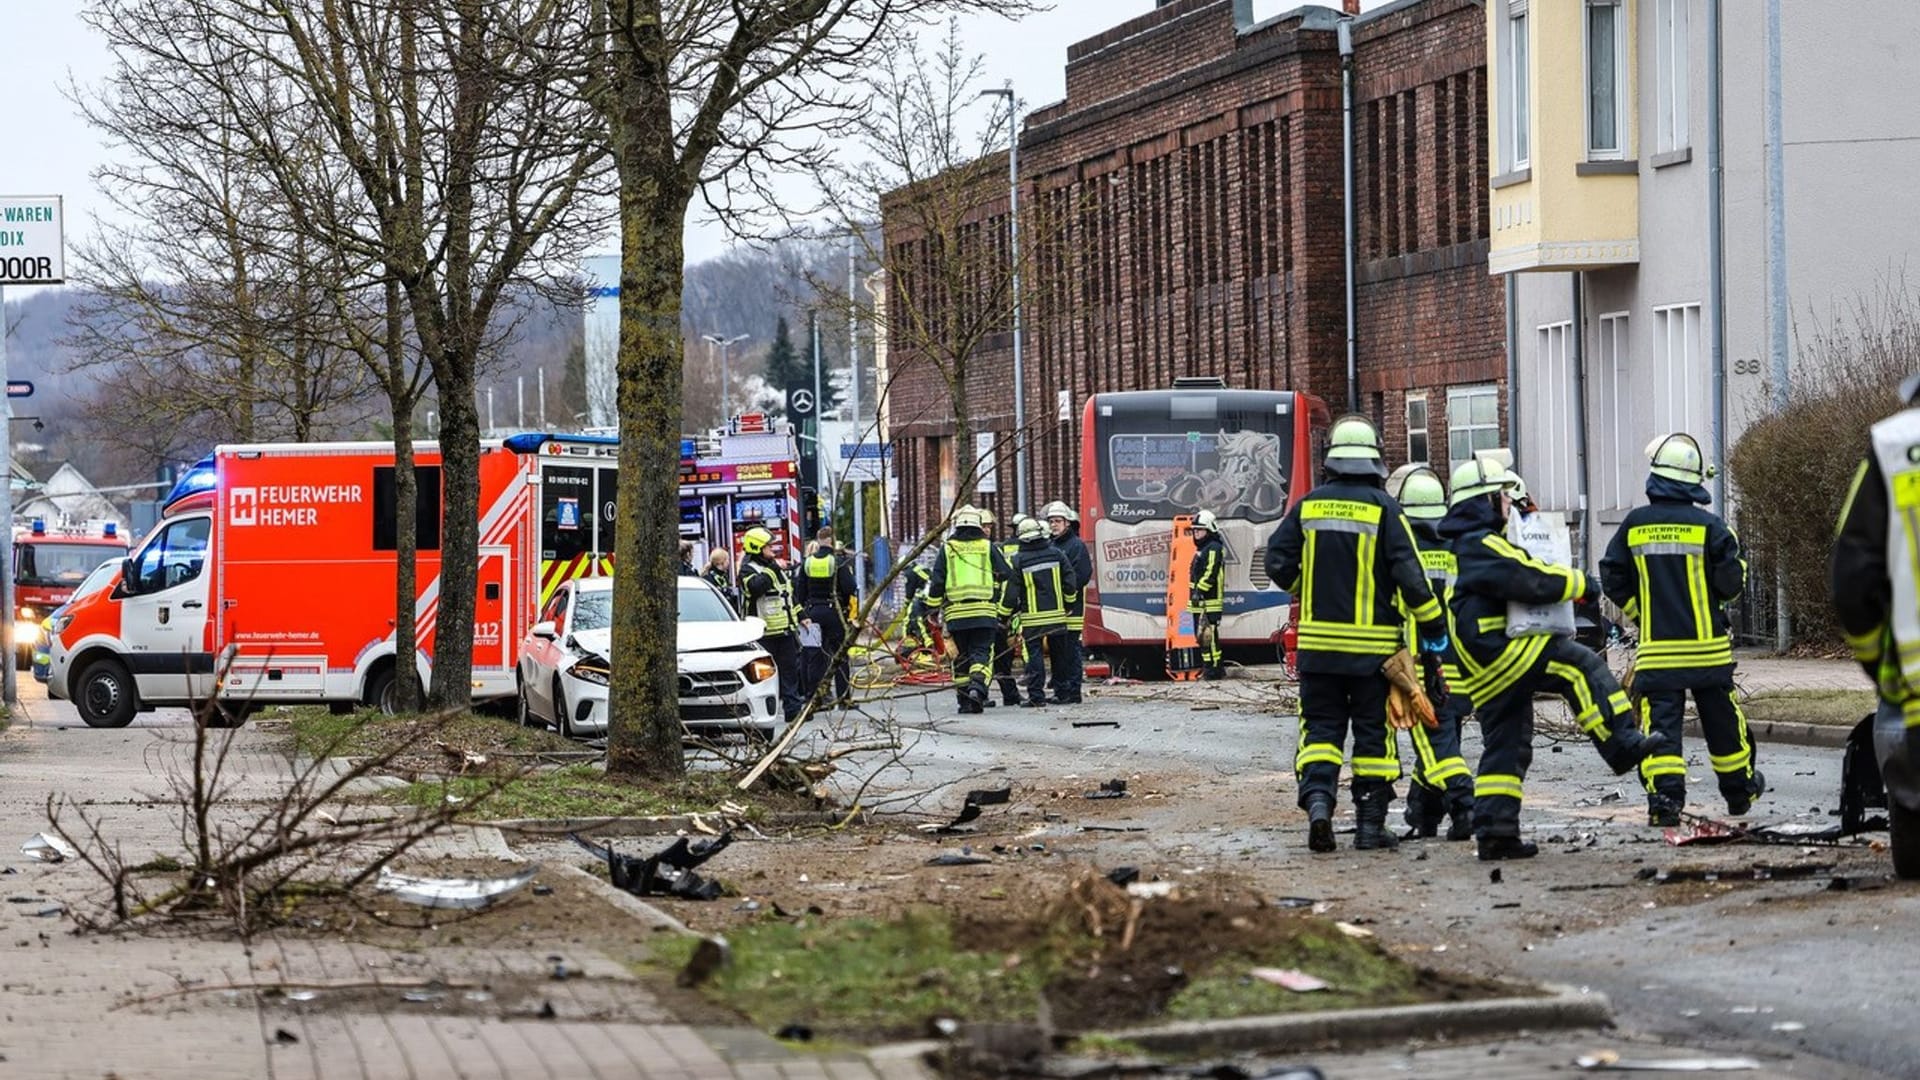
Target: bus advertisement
<point x="1148" y="456"/>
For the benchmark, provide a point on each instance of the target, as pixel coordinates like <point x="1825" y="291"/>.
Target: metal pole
<point x="1777" y="267"/>
<point x="819" y="410"/>
<point x="9" y="682"/>
<point x="859" y="434"/>
<point x="520" y="402"/>
<point x="1716" y="256"/>
<point x="1345" y="37"/>
<point x="1513" y="374"/>
<point x="726" y="377"/>
<point x="1579" y="347"/>
<point x="490" y="427"/>
<point x="1013" y="244"/>
<point x="543" y="398"/>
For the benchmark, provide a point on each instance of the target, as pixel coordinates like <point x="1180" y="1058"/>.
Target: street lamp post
<point x="726" y="347"/>
<point x="1013" y="248"/>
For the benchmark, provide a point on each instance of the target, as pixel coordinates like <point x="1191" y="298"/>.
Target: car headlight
<point x="29" y="614"/>
<point x="592" y="669"/>
<point x="760" y="670"/>
<point x="58" y="623"/>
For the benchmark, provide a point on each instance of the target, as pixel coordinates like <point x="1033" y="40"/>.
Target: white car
<point x="728" y="683"/>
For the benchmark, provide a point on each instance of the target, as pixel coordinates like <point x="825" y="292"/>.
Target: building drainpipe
<point x="1344" y="33"/>
<point x="1513" y="371"/>
<point x="1716" y="256"/>
<point x="1777" y="269"/>
<point x="1579" y="335"/>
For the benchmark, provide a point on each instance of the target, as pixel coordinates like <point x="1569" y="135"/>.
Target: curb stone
<point x="1567" y="1007"/>
<point x="1818" y="735"/>
<point x="666" y="825"/>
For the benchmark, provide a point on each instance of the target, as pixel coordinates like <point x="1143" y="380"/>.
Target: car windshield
<point x="98" y="579"/>
<point x="592" y="611"/>
<point x="57" y="564"/>
<point x="703" y="605"/>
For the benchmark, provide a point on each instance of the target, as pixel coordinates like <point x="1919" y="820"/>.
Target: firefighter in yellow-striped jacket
<point x="1043" y="588"/>
<point x="1500" y="674"/>
<point x="1347" y="554"/>
<point x="967" y="587"/>
<point x="1442" y="787"/>
<point x="1672" y="567"/>
<point x="1207" y="591"/>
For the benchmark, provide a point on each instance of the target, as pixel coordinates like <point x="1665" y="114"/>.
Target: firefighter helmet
<point x="1058" y="509"/>
<point x="1478" y="477"/>
<point x="1677" y="457"/>
<point x="1205" y="520"/>
<point x="1353" y="448"/>
<point x="1422" y="495"/>
<point x="1031" y="529"/>
<point x="966" y="518"/>
<point x="986" y="517"/>
<point x="755" y="540"/>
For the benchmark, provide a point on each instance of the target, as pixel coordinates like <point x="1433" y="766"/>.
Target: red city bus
<point x="1148" y="456"/>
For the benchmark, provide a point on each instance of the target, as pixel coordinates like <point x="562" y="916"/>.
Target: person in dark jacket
<point x="1352" y="582"/>
<point x="768" y="593"/>
<point x="1442" y="786"/>
<point x="1043" y="583"/>
<point x="1501" y="674"/>
<point x="719" y="574"/>
<point x="967" y="588"/>
<point x="1067" y="668"/>
<point x="1672" y="567"/>
<point x="1876" y="597"/>
<point x="687" y="569"/>
<point x="1006" y="640"/>
<point x="824" y="589"/>
<point x="1207" y="591"/>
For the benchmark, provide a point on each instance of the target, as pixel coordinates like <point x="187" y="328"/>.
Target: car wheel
<point x="562" y="716"/>
<point x="380" y="691"/>
<point x="524" y="712"/>
<point x="105" y="695"/>
<point x="1904" y="825"/>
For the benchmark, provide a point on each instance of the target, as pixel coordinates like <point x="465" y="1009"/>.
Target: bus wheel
<point x="105" y="695"/>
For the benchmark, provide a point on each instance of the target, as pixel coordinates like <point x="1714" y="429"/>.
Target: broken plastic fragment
<point x="47" y="848"/>
<point x="1611" y="1061"/>
<point x="963" y="857"/>
<point x="1112" y="789"/>
<point x="1298" y="981"/>
<point x="451" y="892"/>
<point x="666" y="873"/>
<point x="302" y="995"/>
<point x="1150" y="890"/>
<point x="1353" y="931"/>
<point x="970" y="809"/>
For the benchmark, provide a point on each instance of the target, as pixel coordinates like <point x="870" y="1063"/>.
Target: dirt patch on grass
<point x="428" y="744"/>
<point x="1828" y="708"/>
<point x="586" y="791"/>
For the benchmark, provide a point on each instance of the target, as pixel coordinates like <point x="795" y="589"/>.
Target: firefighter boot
<point x="1459" y="808"/>
<point x="1663" y="810"/>
<point x="1423" y="813"/>
<point x="1370" y="811"/>
<point x="1625" y="749"/>
<point x="1320" y="824"/>
<point x="1494" y="848"/>
<point x="1739" y="803"/>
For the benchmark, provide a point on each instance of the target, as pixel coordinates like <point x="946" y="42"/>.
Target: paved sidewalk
<point x="1762" y="672"/>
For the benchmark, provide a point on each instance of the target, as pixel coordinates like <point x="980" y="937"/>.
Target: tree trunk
<point x="459" y="536"/>
<point x="406" y="554"/>
<point x="644" y="733"/>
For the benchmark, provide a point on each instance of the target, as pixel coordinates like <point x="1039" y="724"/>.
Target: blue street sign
<point x="19" y="388"/>
<point x="866" y="451"/>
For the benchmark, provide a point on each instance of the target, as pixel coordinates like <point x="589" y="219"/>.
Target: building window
<point x="1516" y="113"/>
<point x="1670" y="75"/>
<point x="1417" y="427"/>
<point x="1606" y="80"/>
<point x="1552" y="467"/>
<point x="1679" y="385"/>
<point x="1473" y="422"/>
<point x="1614" y="404"/>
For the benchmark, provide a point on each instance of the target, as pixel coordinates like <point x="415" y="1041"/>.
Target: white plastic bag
<point x="1544" y="536"/>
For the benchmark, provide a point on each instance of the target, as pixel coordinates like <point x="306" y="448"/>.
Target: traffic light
<point x="810" y="509"/>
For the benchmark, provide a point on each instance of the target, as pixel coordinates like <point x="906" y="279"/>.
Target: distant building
<point x="68" y="498"/>
<point x="1200" y="154"/>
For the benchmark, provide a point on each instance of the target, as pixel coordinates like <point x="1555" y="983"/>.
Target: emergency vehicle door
<point x="163" y="614"/>
<point x="491" y="632"/>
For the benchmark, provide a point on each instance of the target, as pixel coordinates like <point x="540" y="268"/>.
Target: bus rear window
<point x="1195" y="452"/>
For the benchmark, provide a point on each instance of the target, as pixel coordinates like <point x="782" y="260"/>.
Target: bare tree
<point x="701" y="98"/>
<point x="445" y="146"/>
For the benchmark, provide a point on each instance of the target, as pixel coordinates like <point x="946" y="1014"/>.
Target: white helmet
<point x="1058" y="509"/>
<point x="1205" y="520"/>
<point x="966" y="518"/>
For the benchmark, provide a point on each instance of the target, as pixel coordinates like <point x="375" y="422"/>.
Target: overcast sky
<point x="48" y="150"/>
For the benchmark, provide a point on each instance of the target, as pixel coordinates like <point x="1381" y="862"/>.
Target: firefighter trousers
<point x="973" y="667"/>
<point x="1067" y="667"/>
<point x="1042" y="644"/>
<point x="1003" y="658"/>
<point x="1331" y="706"/>
<point x="1729" y="745"/>
<point x="1441" y="779"/>
<point x="785" y="649"/>
<point x="832" y="622"/>
<point x="1206" y="626"/>
<point x="1599" y="705"/>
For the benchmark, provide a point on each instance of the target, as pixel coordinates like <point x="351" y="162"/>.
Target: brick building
<point x="1186" y="201"/>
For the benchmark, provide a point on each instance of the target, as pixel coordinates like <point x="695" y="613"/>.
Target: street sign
<point x="863" y="460"/>
<point x="33" y="250"/>
<point x="19" y="388"/>
<point x="800" y="403"/>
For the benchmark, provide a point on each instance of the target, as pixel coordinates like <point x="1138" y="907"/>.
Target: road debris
<point x="668" y="872"/>
<point x="1757" y="872"/>
<point x="1611" y="1061"/>
<point x="1096" y="723"/>
<point x="709" y="956"/>
<point x="47" y="848"/>
<point x="1112" y="789"/>
<point x="451" y="892"/>
<point x="284" y="1037"/>
<point x="1297" y="981"/>
<point x="963" y="857"/>
<point x="1789" y="1025"/>
<point x="1124" y="875"/>
<point x="1150" y="890"/>
<point x="1295" y="902"/>
<point x="1353" y="931"/>
<point x="970" y="810"/>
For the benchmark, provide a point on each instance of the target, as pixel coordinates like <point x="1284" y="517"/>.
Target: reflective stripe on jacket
<point x="1671" y="567"/>
<point x="1207" y="577"/>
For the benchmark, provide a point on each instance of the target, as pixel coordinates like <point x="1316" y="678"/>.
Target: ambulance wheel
<point x="380" y="691"/>
<point x="105" y="694"/>
<point x="1904" y="825"/>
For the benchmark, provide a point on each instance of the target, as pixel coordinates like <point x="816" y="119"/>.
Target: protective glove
<point x="1590" y="588"/>
<point x="1436" y="644"/>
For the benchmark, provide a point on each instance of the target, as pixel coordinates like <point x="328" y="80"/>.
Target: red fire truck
<point x="277" y="562"/>
<point x="47" y="564"/>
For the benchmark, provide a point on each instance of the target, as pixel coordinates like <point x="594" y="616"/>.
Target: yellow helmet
<point x="1677" y="457"/>
<point x="1030" y="529"/>
<point x="1478" y="477"/>
<point x="1353" y="448"/>
<point x="1422" y="495"/>
<point x="755" y="540"/>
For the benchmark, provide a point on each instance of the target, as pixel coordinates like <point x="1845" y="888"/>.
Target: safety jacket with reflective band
<point x="1671" y="567"/>
<point x="1078" y="557"/>
<point x="1436" y="558"/>
<point x="769" y="594"/>
<point x="966" y="582"/>
<point x="1207" y="577"/>
<point x="1491" y="572"/>
<point x="826" y="582"/>
<point x="1348" y="555"/>
<point x="1875" y="575"/>
<point x="1043" y="583"/>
